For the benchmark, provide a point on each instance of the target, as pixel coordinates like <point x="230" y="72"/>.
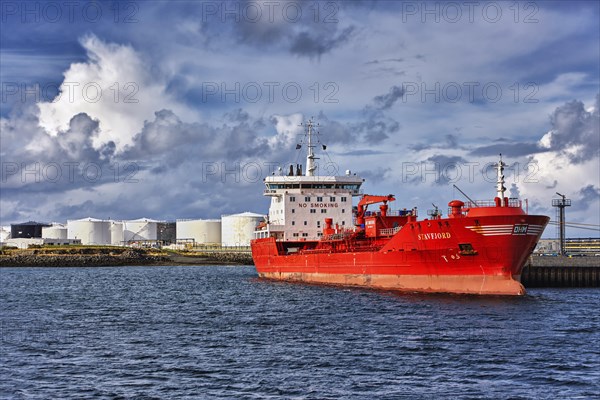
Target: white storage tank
<point x="4" y="233"/>
<point x="202" y="231"/>
<point x="90" y="231"/>
<point x="56" y="231"/>
<point x="140" y="230"/>
<point x="116" y="233"/>
<point x="238" y="229"/>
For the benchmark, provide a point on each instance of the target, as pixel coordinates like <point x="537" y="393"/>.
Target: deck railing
<point x="389" y="231"/>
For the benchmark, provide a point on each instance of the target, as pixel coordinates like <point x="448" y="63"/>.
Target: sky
<point x="172" y="110"/>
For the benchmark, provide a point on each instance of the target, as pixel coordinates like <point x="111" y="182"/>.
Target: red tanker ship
<point x="313" y="234"/>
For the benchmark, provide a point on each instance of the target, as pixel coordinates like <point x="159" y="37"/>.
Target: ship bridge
<point x="301" y="202"/>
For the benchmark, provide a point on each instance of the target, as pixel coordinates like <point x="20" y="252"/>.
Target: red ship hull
<point x="483" y="254"/>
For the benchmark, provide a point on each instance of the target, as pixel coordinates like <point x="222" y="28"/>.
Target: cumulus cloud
<point x="115" y="87"/>
<point x="575" y="132"/>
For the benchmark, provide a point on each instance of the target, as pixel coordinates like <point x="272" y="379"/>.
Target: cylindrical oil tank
<point x="202" y="231"/>
<point x="116" y="233"/>
<point x="29" y="229"/>
<point x="140" y="230"/>
<point x="238" y="229"/>
<point x="90" y="231"/>
<point x="56" y="231"/>
<point x="4" y="233"/>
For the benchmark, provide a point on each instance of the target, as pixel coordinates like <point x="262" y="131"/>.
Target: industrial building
<point x="24" y="243"/>
<point x="573" y="246"/>
<point x="30" y="229"/>
<point x="166" y="232"/>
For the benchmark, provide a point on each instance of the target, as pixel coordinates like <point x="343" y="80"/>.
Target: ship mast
<point x="500" y="182"/>
<point x="310" y="158"/>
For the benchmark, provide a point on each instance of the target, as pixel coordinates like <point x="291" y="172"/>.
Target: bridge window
<point x="343" y="199"/>
<point x="292" y="198"/>
<point x="332" y="199"/>
<point x="323" y="210"/>
<point x="293" y="222"/>
<point x="319" y="199"/>
<point x="313" y="211"/>
<point x="307" y="198"/>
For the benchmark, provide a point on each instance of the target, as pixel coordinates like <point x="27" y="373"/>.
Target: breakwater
<point x="562" y="272"/>
<point x="76" y="256"/>
<point x="80" y="257"/>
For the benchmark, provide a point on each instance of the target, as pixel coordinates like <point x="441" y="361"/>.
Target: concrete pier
<point x="562" y="272"/>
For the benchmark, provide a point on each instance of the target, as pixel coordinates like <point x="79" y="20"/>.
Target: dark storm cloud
<point x="376" y="175"/>
<point x="572" y="125"/>
<point x="386" y="101"/>
<point x="589" y="194"/>
<point x="365" y="152"/>
<point x="387" y="60"/>
<point x="373" y="128"/>
<point x="575" y="133"/>
<point x="34" y="162"/>
<point x="586" y="198"/>
<point x="309" y="44"/>
<point x="446" y="167"/>
<point x="302" y="35"/>
<point x="172" y="140"/>
<point x="450" y="142"/>
<point x="515" y="149"/>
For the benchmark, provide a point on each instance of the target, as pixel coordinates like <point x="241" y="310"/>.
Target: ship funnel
<point x="456" y="207"/>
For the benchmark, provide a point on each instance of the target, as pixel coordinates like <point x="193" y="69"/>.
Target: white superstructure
<point x="300" y="203"/>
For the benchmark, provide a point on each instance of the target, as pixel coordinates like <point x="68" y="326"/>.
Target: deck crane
<point x="370" y="199"/>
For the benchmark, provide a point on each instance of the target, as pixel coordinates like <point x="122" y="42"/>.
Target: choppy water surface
<point x="210" y="332"/>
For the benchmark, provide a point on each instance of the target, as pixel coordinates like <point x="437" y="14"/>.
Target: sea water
<point x="220" y="332"/>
